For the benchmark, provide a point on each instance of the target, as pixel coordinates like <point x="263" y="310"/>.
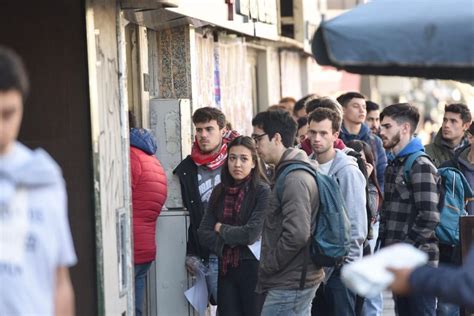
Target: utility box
<point x="170" y="122"/>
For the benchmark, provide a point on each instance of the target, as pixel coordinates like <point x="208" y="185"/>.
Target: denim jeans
<point x="373" y="306"/>
<point x="339" y="298"/>
<point x="211" y="278"/>
<point x="289" y="302"/>
<point x="447" y="309"/>
<point x="141" y="271"/>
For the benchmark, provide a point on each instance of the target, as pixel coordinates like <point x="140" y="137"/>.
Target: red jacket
<point x="148" y="196"/>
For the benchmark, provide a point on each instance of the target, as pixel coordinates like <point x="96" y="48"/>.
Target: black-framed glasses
<point x="257" y="137"/>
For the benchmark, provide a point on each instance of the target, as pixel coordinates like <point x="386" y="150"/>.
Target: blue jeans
<point x="339" y="298"/>
<point x="447" y="309"/>
<point x="373" y="306"/>
<point x="211" y="278"/>
<point x="141" y="271"/>
<point x="289" y="302"/>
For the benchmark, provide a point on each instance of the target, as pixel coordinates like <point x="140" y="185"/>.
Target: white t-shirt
<point x="325" y="167"/>
<point x="35" y="238"/>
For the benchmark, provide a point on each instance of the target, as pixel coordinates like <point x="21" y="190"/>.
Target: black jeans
<point x="236" y="290"/>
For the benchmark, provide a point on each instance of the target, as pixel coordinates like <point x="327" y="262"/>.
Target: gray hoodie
<point x="287" y="228"/>
<point x="345" y="171"/>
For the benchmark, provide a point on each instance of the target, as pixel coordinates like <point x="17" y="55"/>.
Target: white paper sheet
<point x="255" y="248"/>
<point x="198" y="295"/>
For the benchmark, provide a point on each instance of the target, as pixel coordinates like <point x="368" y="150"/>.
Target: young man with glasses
<point x="289" y="223"/>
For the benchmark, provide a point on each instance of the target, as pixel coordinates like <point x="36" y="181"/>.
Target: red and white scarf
<point x="212" y="160"/>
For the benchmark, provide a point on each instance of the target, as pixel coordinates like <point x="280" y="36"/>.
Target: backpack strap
<point x="408" y="164"/>
<point x="281" y="176"/>
<point x="279" y="184"/>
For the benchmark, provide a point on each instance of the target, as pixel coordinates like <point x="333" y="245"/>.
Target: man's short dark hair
<point x="13" y="75"/>
<point x="277" y="121"/>
<point x="344" y="99"/>
<point x="302" y="122"/>
<point x="320" y="114"/>
<point x="207" y="114"/>
<point x="301" y="103"/>
<point x="323" y="102"/>
<point x="461" y="109"/>
<point x="402" y="113"/>
<point x="371" y="106"/>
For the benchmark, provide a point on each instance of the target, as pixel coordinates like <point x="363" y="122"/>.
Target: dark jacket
<point x="440" y="151"/>
<point x="453" y="285"/>
<point x="410" y="211"/>
<point x="149" y="191"/>
<point x="252" y="213"/>
<point x="375" y="143"/>
<point x="287" y="228"/>
<point x="187" y="173"/>
<point x="461" y="162"/>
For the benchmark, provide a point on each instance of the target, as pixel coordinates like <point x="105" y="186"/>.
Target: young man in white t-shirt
<point x="36" y="247"/>
<point x="323" y="130"/>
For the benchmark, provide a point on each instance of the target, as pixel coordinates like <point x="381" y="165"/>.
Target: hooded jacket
<point x="36" y="237"/>
<point x="440" y="151"/>
<point x="375" y="143"/>
<point x="288" y="226"/>
<point x="352" y="182"/>
<point x="410" y="211"/>
<point x="149" y="191"/>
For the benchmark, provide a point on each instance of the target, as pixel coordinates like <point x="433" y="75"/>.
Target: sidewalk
<point x="388" y="304"/>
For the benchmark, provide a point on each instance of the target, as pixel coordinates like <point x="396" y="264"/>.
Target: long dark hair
<point x="360" y="147"/>
<point x="257" y="174"/>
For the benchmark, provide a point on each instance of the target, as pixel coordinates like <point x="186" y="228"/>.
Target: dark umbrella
<point x="416" y="38"/>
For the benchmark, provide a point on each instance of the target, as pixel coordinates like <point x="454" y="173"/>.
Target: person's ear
<point x="465" y="126"/>
<point x="277" y="138"/>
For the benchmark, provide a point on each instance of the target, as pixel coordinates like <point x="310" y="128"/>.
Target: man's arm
<point x="455" y="285"/>
<point x="296" y="226"/>
<point x="426" y="197"/>
<point x="352" y="185"/>
<point x="64" y="293"/>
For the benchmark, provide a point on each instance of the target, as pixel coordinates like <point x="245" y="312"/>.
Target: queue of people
<point x="228" y="187"/>
<point x="337" y="143"/>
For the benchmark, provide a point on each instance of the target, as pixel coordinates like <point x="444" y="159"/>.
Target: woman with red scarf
<point x="233" y="220"/>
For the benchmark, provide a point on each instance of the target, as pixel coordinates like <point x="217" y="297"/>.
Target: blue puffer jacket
<point x="375" y="142"/>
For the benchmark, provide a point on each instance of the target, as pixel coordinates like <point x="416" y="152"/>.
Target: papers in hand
<point x="198" y="294"/>
<point x="369" y="276"/>
<point x="255" y="248"/>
